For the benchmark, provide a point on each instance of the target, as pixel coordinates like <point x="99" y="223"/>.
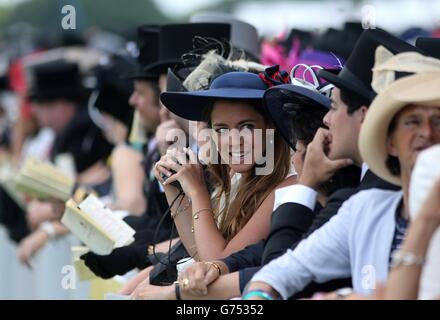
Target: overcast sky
<point x="4" y="2"/>
<point x="182" y="7"/>
<point x="171" y="7"/>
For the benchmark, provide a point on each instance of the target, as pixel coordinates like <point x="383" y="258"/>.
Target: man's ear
<point x="391" y="149"/>
<point x="363" y="113"/>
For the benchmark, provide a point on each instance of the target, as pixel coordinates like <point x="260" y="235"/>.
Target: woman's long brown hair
<point x="252" y="189"/>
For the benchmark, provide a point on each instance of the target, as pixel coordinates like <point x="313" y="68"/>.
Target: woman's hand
<point x="147" y="291"/>
<point x="197" y="277"/>
<point x="188" y="171"/>
<point x="30" y="245"/>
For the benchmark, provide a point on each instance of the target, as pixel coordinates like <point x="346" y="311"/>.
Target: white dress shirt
<point x="302" y="194"/>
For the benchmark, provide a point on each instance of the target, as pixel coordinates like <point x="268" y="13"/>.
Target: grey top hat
<point x="243" y="34"/>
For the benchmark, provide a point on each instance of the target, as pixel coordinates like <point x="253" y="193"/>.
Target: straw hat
<point x="422" y="87"/>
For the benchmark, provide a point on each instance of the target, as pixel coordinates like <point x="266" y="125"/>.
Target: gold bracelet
<point x="196" y="215"/>
<point x="215" y="265"/>
<point x="150" y="249"/>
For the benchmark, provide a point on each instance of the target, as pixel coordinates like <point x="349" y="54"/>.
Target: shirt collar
<point x="364" y="170"/>
<point x="152" y="143"/>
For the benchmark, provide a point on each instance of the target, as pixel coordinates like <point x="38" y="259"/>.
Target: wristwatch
<point x="400" y="258"/>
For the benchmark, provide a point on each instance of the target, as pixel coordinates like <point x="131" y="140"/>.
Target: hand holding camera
<point x="182" y="167"/>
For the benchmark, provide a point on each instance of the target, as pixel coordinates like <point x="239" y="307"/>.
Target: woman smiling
<point x="219" y="223"/>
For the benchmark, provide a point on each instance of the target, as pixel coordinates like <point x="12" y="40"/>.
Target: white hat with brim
<point x="418" y="89"/>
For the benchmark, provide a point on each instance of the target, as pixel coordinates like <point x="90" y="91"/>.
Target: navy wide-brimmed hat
<point x="279" y="100"/>
<point x="229" y="86"/>
<point x="357" y="73"/>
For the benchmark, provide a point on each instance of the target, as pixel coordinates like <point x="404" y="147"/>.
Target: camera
<point x="175" y="184"/>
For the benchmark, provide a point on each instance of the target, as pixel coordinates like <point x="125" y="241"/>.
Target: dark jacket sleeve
<point x="250" y="256"/>
<point x="289" y="223"/>
<point x="245" y="275"/>
<point x="334" y="202"/>
<point x="295" y="222"/>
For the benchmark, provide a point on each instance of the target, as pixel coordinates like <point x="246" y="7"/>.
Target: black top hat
<point x="56" y="79"/>
<point x="113" y="95"/>
<point x="357" y="73"/>
<point x="148" y="42"/>
<point x="177" y="39"/>
<point x="339" y="42"/>
<point x="430" y="45"/>
<point x="354" y="27"/>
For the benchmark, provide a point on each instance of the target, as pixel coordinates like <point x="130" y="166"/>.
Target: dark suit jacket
<point x="291" y="223"/>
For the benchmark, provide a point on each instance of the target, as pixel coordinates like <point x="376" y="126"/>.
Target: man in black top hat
<point x="145" y="96"/>
<point x="174" y="41"/>
<point x="60" y="97"/>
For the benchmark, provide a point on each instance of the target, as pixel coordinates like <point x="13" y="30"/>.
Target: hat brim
<point x="161" y="66"/>
<point x="416" y="89"/>
<point x="274" y="100"/>
<point x="192" y="105"/>
<point x="345" y="85"/>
